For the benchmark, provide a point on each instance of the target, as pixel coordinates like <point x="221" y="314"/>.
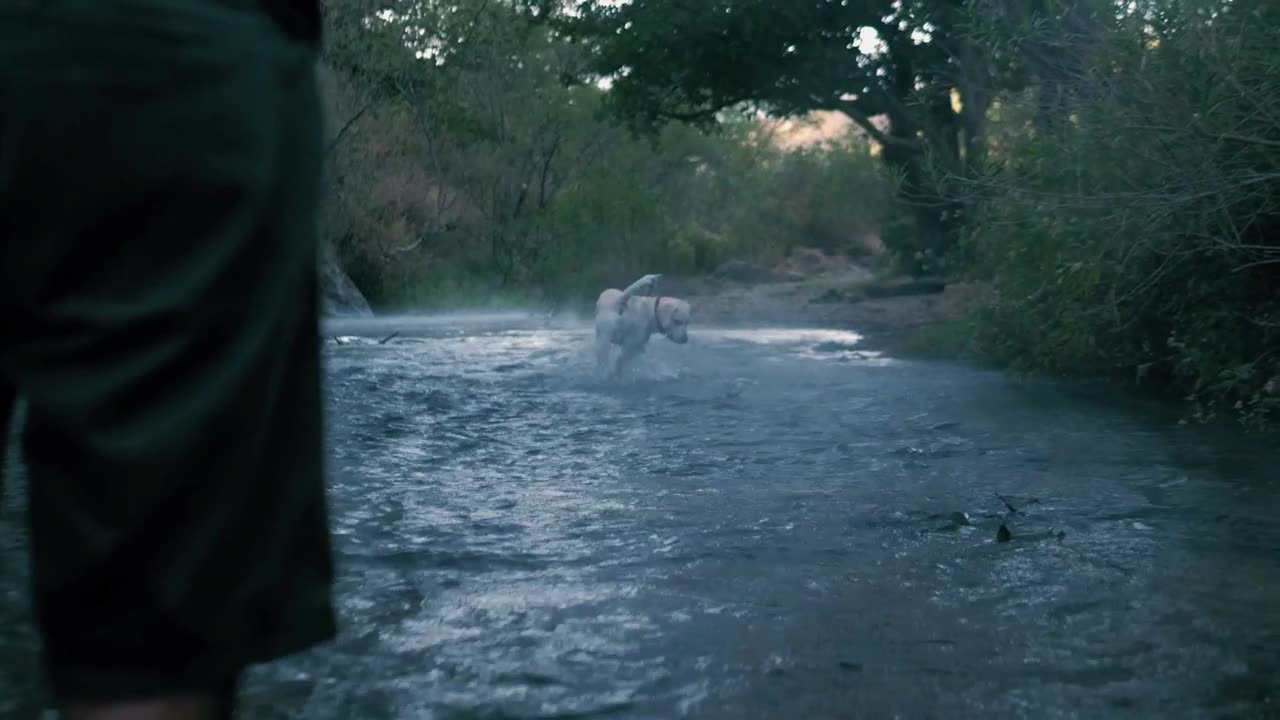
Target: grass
<point x="950" y="339"/>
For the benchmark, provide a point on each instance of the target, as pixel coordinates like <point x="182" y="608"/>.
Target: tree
<point x="907" y="62"/>
<point x="462" y="164"/>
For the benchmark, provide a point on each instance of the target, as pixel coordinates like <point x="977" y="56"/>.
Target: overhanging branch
<point x="850" y="108"/>
<point x="333" y="144"/>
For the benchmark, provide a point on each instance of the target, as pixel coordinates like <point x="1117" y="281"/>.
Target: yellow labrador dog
<point x="627" y="318"/>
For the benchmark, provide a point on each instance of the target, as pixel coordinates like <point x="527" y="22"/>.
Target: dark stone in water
<point x="1003" y="534"/>
<point x="959" y="518"/>
<point x="1012" y="510"/>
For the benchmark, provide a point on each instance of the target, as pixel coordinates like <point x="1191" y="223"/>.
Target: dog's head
<point x="673" y="319"/>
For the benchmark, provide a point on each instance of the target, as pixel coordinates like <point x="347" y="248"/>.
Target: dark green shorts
<point x="159" y="174"/>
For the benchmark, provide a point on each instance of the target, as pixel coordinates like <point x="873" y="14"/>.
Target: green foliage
<point x="1138" y="239"/>
<point x="463" y="166"/>
<point x="892" y="67"/>
<point x="947" y="339"/>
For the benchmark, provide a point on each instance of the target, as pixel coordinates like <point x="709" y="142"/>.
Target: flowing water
<point x="762" y="524"/>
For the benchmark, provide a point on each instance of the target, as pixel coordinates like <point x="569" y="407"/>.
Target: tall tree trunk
<point x="976" y="95"/>
<point x="935" y="215"/>
<point x="1057" y="56"/>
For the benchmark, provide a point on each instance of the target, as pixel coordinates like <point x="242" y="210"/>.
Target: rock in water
<point x="1003" y="534"/>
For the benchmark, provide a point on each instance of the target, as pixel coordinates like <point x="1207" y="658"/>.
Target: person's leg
<point x="159" y="165"/>
<point x="218" y="705"/>
<point x="8" y="396"/>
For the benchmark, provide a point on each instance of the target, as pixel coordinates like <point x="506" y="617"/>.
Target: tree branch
<point x="850" y="108"/>
<point x="333" y="144"/>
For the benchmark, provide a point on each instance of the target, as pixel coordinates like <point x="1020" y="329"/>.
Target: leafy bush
<point x="1137" y="237"/>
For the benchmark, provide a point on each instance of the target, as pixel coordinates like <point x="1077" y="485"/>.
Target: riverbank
<point x="810" y="289"/>
<point x="899" y="315"/>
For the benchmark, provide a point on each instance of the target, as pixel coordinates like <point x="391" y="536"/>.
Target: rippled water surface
<point x="763" y="524"/>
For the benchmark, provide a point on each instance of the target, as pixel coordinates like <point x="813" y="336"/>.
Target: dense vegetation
<point x="1138" y="236"/>
<point x="465" y="168"/>
<point x="1111" y="169"/>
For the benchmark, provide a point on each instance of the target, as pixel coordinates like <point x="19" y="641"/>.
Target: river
<point x="764" y="523"/>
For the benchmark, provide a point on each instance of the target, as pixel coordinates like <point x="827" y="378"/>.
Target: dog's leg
<point x="616" y="372"/>
<point x="604" y="356"/>
<point x="625" y="356"/>
<point x="604" y="343"/>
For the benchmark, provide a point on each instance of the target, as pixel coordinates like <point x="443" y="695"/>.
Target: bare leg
<point x="178" y="707"/>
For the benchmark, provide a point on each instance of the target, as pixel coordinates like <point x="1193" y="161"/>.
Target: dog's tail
<point x="645" y="284"/>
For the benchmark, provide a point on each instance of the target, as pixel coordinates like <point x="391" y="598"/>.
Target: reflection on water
<point x="784" y="336"/>
<point x="810" y="343"/>
<point x="772" y="523"/>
